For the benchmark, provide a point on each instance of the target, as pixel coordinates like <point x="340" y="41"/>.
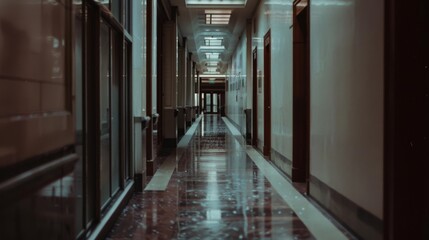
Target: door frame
<point x="267" y="94"/>
<point x="255" y="98"/>
<point x="406" y="116"/>
<point x="301" y="92"/>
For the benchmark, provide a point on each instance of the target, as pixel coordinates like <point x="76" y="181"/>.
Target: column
<point x="169" y="83"/>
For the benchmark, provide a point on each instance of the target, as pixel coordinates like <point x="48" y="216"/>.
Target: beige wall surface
<point x="347" y="98"/>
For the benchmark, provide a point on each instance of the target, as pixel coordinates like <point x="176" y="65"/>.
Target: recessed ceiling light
<point x="212" y="56"/>
<point x="213" y="41"/>
<point x="217" y="17"/>
<point x="212" y="64"/>
<point x="216" y="3"/>
<point x="212" y="47"/>
<point x="221" y="11"/>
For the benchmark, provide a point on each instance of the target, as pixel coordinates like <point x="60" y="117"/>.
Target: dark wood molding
<point x="267" y="93"/>
<point x="94" y="40"/>
<point x="301" y="93"/>
<point x="406" y="118"/>
<point x="149" y="73"/>
<point x="255" y="97"/>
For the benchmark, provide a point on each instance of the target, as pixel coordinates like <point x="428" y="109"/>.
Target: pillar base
<point x="170" y="142"/>
<point x="139" y="181"/>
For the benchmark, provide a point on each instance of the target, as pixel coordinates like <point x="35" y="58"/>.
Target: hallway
<point x="214" y="119"/>
<point x="216" y="192"/>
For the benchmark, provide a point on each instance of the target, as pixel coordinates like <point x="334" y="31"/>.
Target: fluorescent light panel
<point x="213" y="42"/>
<point x="211" y="69"/>
<point x="212" y="55"/>
<point x="213" y="75"/>
<point x="212" y="48"/>
<point x="218" y="17"/>
<point x="216" y="3"/>
<point x="218" y="11"/>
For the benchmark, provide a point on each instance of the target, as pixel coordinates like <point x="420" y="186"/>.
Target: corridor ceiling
<point x="213" y="29"/>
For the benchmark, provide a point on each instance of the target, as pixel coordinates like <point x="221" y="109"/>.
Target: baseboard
<point x="282" y="163"/>
<point x="359" y="221"/>
<point x="103" y="228"/>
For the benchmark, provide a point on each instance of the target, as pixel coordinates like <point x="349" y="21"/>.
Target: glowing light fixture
<point x="217" y="17"/>
<point x="212" y="64"/>
<point x="213" y="41"/>
<point x="212" y="48"/>
<point x="211" y="70"/>
<point x="217" y="3"/>
<point x="212" y="56"/>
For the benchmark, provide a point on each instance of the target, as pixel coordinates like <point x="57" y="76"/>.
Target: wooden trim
<point x="85" y="142"/>
<point x="308" y="106"/>
<point x="112" y="63"/>
<point x="255" y="97"/>
<point x="406" y="117"/>
<point x="301" y="95"/>
<point x="149" y="62"/>
<point x="90" y="110"/>
<point x="95" y="43"/>
<point x="197" y="88"/>
<point x="69" y="56"/>
<point x="267" y="94"/>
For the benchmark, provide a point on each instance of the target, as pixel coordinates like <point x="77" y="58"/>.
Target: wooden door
<point x="267" y="94"/>
<point x="301" y="92"/>
<point x="255" y="98"/>
<point x="406" y="120"/>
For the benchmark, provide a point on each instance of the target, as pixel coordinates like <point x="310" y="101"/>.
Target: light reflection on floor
<point x="216" y="192"/>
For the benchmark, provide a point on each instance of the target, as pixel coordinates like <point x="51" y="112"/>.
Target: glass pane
<point x="79" y="120"/>
<point x="115" y="114"/>
<point x="105" y="112"/>
<point x="203" y="101"/>
<point x="215" y="101"/>
<point x="127" y="15"/>
<point x="208" y="102"/>
<point x="208" y="97"/>
<point x="105" y="3"/>
<point x="117" y="9"/>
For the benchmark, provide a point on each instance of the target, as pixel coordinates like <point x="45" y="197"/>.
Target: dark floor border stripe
<point x="359" y="221"/>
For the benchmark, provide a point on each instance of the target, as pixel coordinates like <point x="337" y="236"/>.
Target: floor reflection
<point x="215" y="193"/>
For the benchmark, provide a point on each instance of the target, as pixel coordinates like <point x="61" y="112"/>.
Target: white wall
<point x="347" y="98"/>
<point x="277" y="16"/>
<point x="237" y="77"/>
<point x="346" y="68"/>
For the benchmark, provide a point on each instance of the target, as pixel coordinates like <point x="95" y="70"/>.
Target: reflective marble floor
<point x="216" y="192"/>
